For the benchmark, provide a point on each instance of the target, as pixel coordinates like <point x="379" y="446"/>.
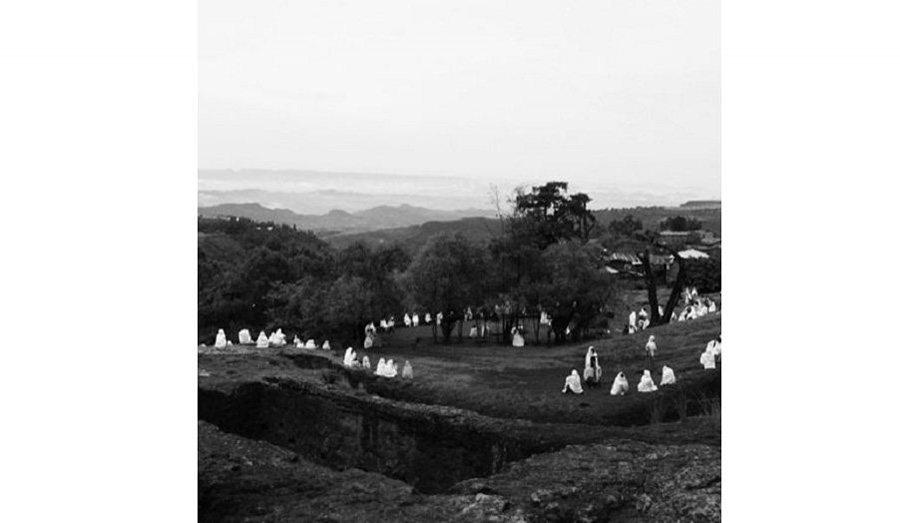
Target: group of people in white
<point x="593" y="371"/>
<point x="695" y="306"/>
<point x="387" y="369"/>
<point x="276" y="339"/>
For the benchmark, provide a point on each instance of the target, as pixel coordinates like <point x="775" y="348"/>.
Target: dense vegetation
<point x="545" y="255"/>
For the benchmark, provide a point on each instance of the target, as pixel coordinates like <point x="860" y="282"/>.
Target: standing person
<point x="650" y="348"/>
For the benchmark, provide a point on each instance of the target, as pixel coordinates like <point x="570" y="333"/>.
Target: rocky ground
<point x="252" y="481"/>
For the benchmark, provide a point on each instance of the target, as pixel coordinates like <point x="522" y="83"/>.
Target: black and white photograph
<point x="448" y="261"/>
<point x="459" y="261"/>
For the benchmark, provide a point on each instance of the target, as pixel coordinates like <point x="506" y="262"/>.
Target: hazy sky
<point x="624" y="92"/>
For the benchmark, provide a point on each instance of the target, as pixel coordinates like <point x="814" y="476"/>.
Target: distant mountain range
<point x="342" y="222"/>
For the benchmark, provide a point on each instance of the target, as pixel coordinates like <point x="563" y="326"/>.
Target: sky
<point x="622" y="93"/>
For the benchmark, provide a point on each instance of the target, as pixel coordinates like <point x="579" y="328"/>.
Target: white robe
<point x="713" y="347"/>
<point x="369" y="342"/>
<point x="708" y="360"/>
<point x="591" y="371"/>
<point x="349" y="356"/>
<point x="651" y="347"/>
<point x="632" y="319"/>
<point x="326" y="345"/>
<point x="518" y="340"/>
<point x="406" y="320"/>
<point x="619" y="386"/>
<point x="221" y="340"/>
<point x="262" y="342"/>
<point x="668" y="376"/>
<point x="277" y="339"/>
<point x="712" y="307"/>
<point x="407" y="371"/>
<point x="310" y="344"/>
<point x="390" y="369"/>
<point x="473" y="332"/>
<point x="244" y="337"/>
<point x="415" y="320"/>
<point x="366" y="364"/>
<point x="646" y="384"/>
<point x="379" y="368"/>
<point x="573" y="383"/>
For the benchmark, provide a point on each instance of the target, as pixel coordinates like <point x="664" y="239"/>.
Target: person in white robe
<point x="620" y="385"/>
<point x="646" y="384"/>
<point x="221" y="340"/>
<point x="277" y="339"/>
<point x="592" y="371"/>
<point x="262" y="342"/>
<point x="518" y="339"/>
<point x="708" y="359"/>
<point x="366" y="364"/>
<point x="384" y="324"/>
<point x="712" y="306"/>
<point x="428" y="318"/>
<point x="325" y="346"/>
<point x="390" y="369"/>
<point x="415" y="319"/>
<point x="683" y="315"/>
<point x="439" y="318"/>
<point x="668" y="376"/>
<point x="244" y="337"/>
<point x="369" y="342"/>
<point x="713" y="346"/>
<point x="407" y="370"/>
<point x="297" y="342"/>
<point x="632" y="329"/>
<point x="632" y="321"/>
<point x="310" y="344"/>
<point x="692" y="313"/>
<point x="407" y="320"/>
<point x="228" y="343"/>
<point x="349" y="357"/>
<point x="473" y="332"/>
<point x="642" y="314"/>
<point x="650" y="349"/>
<point x="662" y="312"/>
<point x="379" y="367"/>
<point x="573" y="384"/>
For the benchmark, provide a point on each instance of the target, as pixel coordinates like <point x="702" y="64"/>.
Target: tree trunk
<point x="650" y="280"/>
<point x="677" y="288"/>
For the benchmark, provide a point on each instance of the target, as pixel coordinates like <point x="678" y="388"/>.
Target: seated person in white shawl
<point x="573" y="384"/>
<point x="708" y="359"/>
<point x="518" y="339"/>
<point x="310" y="344"/>
<point x="379" y="368"/>
<point x="326" y="345"/>
<point x="297" y="342"/>
<point x="370" y="340"/>
<point x="632" y="322"/>
<point x="407" y="320"/>
<point x="473" y="332"/>
<point x="415" y="319"/>
<point x="712" y="306"/>
<point x="221" y="341"/>
<point x="349" y="357"/>
<point x="277" y="339"/>
<point x="244" y="337"/>
<point x="407" y="370"/>
<point x="668" y="376"/>
<point x="428" y="318"/>
<point x="365" y="363"/>
<point x="646" y="384"/>
<point x="390" y="369"/>
<point x="262" y="342"/>
<point x="620" y="385"/>
<point x="592" y="369"/>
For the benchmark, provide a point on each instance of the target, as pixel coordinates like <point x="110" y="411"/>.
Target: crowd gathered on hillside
<point x="593" y="371"/>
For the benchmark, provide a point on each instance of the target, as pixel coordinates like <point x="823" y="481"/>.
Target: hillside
<point x="482" y="229"/>
<point x="337" y="221"/>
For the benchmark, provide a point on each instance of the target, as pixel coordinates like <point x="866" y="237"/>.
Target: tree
<point x="548" y="215"/>
<point x="680" y="224"/>
<point x="626" y="227"/>
<point x="446" y="275"/>
<point x="577" y="290"/>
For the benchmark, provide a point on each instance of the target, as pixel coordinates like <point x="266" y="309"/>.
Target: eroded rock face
<point x="253" y="481"/>
<point x="619" y="481"/>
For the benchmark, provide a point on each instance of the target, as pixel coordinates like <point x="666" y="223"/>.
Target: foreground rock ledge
<point x="246" y="480"/>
